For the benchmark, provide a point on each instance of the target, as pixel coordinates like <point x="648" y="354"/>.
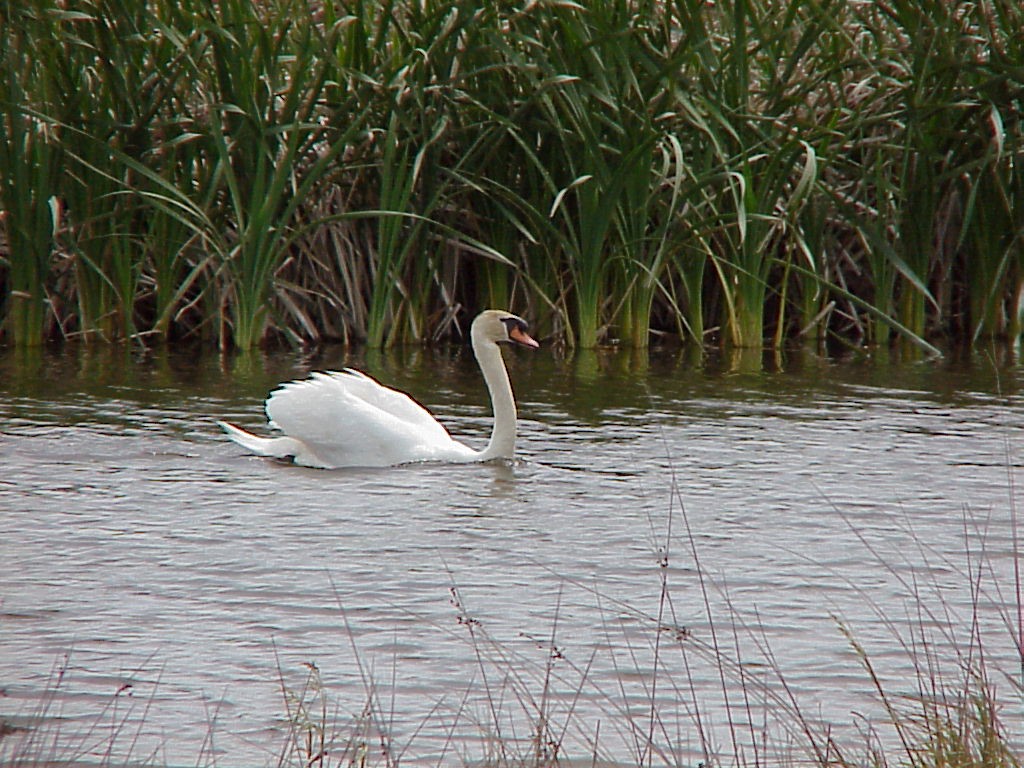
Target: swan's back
<point x="349" y="419"/>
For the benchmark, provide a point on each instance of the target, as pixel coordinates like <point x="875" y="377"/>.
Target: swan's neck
<point x="503" y="437"/>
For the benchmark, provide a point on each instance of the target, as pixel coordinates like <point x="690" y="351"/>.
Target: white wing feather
<point x="349" y="419"/>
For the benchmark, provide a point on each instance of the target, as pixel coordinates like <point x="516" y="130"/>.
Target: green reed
<point x="412" y="49"/>
<point x="928" y="144"/>
<point x="263" y="85"/>
<point x="423" y="127"/>
<point x="30" y="158"/>
<point x="644" y="59"/>
<point x="590" y="84"/>
<point x="108" y="44"/>
<point x="760" y="144"/>
<point x="748" y="170"/>
<point x="591" y="141"/>
<point x="32" y="214"/>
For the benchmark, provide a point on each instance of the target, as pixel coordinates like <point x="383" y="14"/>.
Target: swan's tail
<point x="275" y="447"/>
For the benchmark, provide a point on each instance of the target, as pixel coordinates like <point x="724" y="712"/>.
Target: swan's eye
<point x="514" y="324"/>
<point x="516" y="328"/>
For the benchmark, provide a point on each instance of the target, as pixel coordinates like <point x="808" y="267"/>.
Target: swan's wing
<point x="349" y="419"/>
<point x="376" y="395"/>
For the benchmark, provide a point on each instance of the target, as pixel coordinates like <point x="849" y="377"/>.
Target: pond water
<point x="685" y="559"/>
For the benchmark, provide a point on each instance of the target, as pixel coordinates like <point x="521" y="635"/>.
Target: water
<point x="165" y="596"/>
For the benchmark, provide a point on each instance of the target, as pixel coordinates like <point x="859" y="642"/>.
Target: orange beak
<point x="521" y="337"/>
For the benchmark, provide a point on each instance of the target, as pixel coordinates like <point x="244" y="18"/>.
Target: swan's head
<point x="496" y="326"/>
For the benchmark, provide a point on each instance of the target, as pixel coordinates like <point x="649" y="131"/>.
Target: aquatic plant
<point x="30" y="159"/>
<point x="745" y="171"/>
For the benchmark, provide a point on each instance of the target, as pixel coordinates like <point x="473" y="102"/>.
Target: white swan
<point x="347" y="419"/>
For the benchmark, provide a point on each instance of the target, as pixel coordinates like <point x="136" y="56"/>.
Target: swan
<point x="348" y="419"/>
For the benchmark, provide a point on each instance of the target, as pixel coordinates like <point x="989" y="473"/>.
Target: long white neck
<point x="503" y="437"/>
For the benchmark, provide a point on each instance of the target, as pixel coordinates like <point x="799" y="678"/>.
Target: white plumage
<point x="348" y="419"/>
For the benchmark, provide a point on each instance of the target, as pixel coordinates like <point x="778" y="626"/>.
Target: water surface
<point x="164" y="593"/>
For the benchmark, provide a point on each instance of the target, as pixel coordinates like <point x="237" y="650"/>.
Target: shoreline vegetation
<point x="928" y="685"/>
<point x="740" y="172"/>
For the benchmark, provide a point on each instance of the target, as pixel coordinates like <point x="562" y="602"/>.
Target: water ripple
<point x="137" y="540"/>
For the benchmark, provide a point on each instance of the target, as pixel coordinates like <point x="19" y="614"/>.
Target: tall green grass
<point x="30" y="159"/>
<point x="744" y="172"/>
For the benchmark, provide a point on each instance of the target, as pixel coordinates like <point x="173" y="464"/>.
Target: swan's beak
<point x="519" y="336"/>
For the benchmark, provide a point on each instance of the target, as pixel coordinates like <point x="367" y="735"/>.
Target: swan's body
<point x="347" y="419"/>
